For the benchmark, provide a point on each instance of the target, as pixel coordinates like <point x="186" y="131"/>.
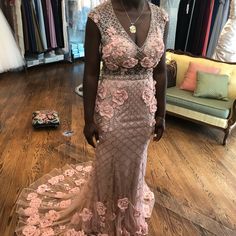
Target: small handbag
<point x="171" y="69"/>
<point x="45" y="118"/>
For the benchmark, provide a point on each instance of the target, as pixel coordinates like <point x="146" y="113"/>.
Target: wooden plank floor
<point x="192" y="174"/>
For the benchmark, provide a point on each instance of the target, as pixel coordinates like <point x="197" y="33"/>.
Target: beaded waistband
<point x="143" y="76"/>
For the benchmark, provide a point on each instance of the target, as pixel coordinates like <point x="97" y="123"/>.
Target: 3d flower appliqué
<point x="86" y="215"/>
<point x="119" y="96"/>
<point x="123" y="203"/>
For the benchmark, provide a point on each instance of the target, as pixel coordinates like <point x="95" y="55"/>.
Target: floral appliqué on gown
<point x="108" y="197"/>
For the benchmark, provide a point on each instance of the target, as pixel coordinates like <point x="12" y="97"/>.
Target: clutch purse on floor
<point x="45" y="118"/>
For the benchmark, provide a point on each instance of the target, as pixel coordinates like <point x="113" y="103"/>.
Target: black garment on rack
<point x="33" y="41"/>
<point x="57" y="15"/>
<point x="156" y="2"/>
<point x="198" y="27"/>
<point x="30" y="40"/>
<point x="185" y="12"/>
<point x="46" y="23"/>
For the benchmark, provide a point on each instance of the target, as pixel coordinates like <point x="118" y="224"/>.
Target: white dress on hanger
<point x="172" y="7"/>
<point x="10" y="56"/>
<point x="226" y="47"/>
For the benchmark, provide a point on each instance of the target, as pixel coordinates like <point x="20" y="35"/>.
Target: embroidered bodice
<point x="120" y="54"/>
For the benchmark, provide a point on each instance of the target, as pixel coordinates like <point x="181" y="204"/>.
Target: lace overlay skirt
<point x="108" y="196"/>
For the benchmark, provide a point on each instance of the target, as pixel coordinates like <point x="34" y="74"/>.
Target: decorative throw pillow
<point x="45" y="118"/>
<point x="189" y="82"/>
<point x="212" y="86"/>
<point x="171" y="70"/>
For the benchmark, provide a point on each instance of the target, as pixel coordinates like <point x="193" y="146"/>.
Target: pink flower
<point x="52" y="215"/>
<point x="53" y="181"/>
<point x="147" y="62"/>
<point x="95" y="17"/>
<point x="101" y="209"/>
<point x="106" y="51"/>
<point x="72" y="232"/>
<point x="42" y="188"/>
<point x="67" y="186"/>
<point x="156" y="46"/>
<point x="106" y="110"/>
<point x="31" y="196"/>
<point x="139" y="232"/>
<point x="147" y="96"/>
<point x="119" y="96"/>
<point x="88" y="169"/>
<point x="69" y="172"/>
<point x="33" y="219"/>
<point x="44" y="223"/>
<point x="65" y="203"/>
<point x="74" y="190"/>
<point x="111" y="31"/>
<point x="164" y="15"/>
<point x="152" y="122"/>
<point x="81" y="233"/>
<point x="101" y="91"/>
<point x="119" y="52"/>
<point x="148" y="196"/>
<point x="111" y="66"/>
<point x="79" y="168"/>
<point x="123" y="203"/>
<point x="35" y="203"/>
<point x="130" y="63"/>
<point x="48" y="232"/>
<point x="80" y="182"/>
<point x="86" y="215"/>
<point x="60" y="195"/>
<point x="61" y="177"/>
<point x="125" y="232"/>
<point x="41" y="116"/>
<point x="30" y="211"/>
<point x="146" y="209"/>
<point x="144" y="228"/>
<point x="30" y="231"/>
<point x="62" y="227"/>
<point x="136" y="213"/>
<point x="56" y="179"/>
<point x="50" y="204"/>
<point x="153" y="105"/>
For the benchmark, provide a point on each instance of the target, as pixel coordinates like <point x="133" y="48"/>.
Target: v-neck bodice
<point x="120" y="54"/>
<point x="127" y="34"/>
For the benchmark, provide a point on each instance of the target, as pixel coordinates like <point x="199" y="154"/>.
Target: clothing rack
<point x="49" y="30"/>
<point x="45" y="31"/>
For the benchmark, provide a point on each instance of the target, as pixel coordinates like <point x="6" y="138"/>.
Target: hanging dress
<point x="171" y="7"/>
<point x="226" y="47"/>
<point x="10" y="56"/>
<point x="108" y="197"/>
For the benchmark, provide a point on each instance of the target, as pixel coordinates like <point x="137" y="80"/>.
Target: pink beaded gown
<point x="108" y="197"/>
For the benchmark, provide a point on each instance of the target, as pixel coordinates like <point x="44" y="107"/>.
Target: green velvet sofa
<point x="216" y="113"/>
